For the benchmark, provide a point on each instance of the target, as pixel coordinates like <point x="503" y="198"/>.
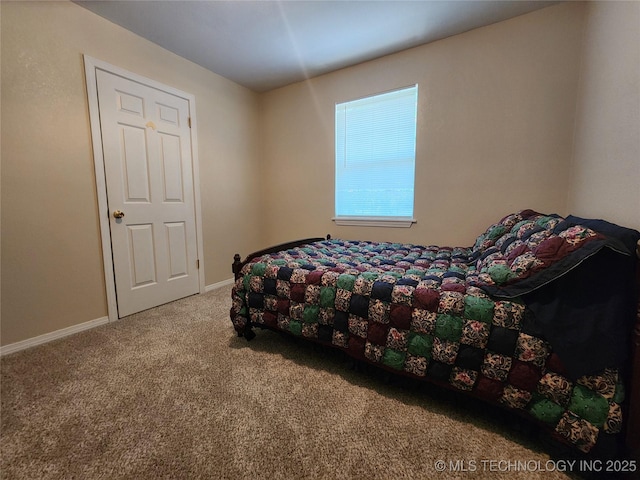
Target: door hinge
<point x="198" y="264"/>
<point x="189" y="121"/>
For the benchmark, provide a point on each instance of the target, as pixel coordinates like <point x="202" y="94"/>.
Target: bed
<point x="539" y="316"/>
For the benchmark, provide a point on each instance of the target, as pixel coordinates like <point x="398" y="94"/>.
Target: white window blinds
<point x="375" y="155"/>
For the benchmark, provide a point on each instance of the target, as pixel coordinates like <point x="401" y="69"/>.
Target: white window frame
<point x="374" y="221"/>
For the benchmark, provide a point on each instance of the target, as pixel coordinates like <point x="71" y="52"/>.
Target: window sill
<point x="402" y="222"/>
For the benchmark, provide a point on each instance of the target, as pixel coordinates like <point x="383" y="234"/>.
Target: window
<point x="375" y="159"/>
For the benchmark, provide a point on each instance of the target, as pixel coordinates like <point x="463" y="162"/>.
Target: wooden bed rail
<point x="237" y="264"/>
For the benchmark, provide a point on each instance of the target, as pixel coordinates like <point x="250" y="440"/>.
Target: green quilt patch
<point x="258" y="269"/>
<point x="545" y="410"/>
<point x="478" y="308"/>
<point x="295" y="327"/>
<point x="327" y="297"/>
<point x="393" y="358"/>
<point x="346" y="281"/>
<point x="500" y="274"/>
<point x="589" y="405"/>
<point x="371" y="276"/>
<point x="448" y="327"/>
<point x="310" y="313"/>
<point x="420" y="345"/>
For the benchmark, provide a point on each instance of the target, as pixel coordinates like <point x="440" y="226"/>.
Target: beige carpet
<point x="173" y="393"/>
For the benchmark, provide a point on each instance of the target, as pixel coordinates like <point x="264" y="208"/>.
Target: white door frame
<point x="90" y="67"/>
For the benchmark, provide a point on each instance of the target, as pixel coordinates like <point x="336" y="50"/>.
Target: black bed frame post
<point x="236" y="266"/>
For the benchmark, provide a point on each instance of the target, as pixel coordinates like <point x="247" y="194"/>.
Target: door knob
<point x="118" y="214"/>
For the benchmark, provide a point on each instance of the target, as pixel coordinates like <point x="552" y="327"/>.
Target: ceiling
<point x="268" y="44"/>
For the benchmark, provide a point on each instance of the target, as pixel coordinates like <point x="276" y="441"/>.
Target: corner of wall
<point x="605" y="171"/>
<point x="569" y="196"/>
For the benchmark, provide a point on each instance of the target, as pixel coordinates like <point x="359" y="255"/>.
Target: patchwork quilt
<point x="449" y="315"/>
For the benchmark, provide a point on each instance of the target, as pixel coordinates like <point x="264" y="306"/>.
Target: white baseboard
<point x="49" y="337"/>
<point x="215" y="286"/>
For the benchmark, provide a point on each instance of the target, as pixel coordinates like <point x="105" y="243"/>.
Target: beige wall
<point x="495" y="129"/>
<point x="606" y="167"/>
<point x="52" y="274"/>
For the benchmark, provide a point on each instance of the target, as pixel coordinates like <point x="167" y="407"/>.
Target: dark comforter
<point x="457" y="315"/>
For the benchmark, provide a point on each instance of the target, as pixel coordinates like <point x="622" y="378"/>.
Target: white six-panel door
<point x="146" y="145"/>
